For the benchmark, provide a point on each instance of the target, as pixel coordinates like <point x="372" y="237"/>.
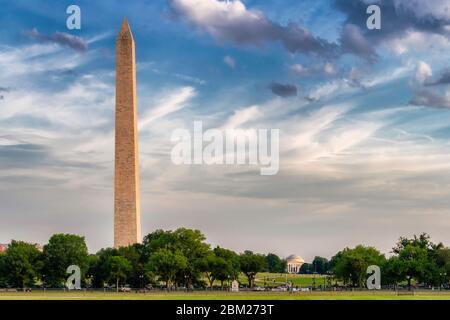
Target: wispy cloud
<point x="283" y="90"/>
<point x="242" y="117"/>
<point x="230" y="61"/>
<point x="174" y="102"/>
<point x="60" y="38"/>
<point x="232" y="21"/>
<point x="430" y="98"/>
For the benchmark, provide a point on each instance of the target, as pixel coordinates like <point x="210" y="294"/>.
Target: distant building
<point x="3" y="247"/>
<point x="294" y="263"/>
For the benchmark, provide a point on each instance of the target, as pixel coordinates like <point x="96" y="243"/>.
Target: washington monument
<point x="127" y="209"/>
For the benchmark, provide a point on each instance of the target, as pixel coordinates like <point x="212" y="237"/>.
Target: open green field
<point x="262" y="279"/>
<point x="274" y="279"/>
<point x="317" y="295"/>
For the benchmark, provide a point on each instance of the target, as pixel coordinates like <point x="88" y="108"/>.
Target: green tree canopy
<point x="186" y="242"/>
<point x="133" y="254"/>
<point x="443" y="263"/>
<point x="231" y="272"/>
<point x="98" y="267"/>
<point x="275" y="264"/>
<point x="3" y="273"/>
<point x="350" y="265"/>
<point x="416" y="258"/>
<point x="320" y="265"/>
<point x="306" y="268"/>
<point x="167" y="264"/>
<point x="251" y="264"/>
<point x="210" y="266"/>
<point x="118" y="269"/>
<point x="62" y="251"/>
<point x="21" y="264"/>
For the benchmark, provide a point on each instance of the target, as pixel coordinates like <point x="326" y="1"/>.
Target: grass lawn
<point x="275" y="279"/>
<point x="262" y="279"/>
<point x="317" y="295"/>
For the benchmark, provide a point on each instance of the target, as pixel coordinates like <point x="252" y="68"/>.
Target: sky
<point x="364" y="120"/>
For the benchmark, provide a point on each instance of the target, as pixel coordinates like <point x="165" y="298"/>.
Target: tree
<point x="223" y="270"/>
<point x="186" y="242"/>
<point x="275" y="264"/>
<point x="192" y="245"/>
<point x="320" y="265"/>
<point x="389" y="272"/>
<point x="21" y="264"/>
<point x="166" y="264"/>
<point x="415" y="258"/>
<point x="443" y="262"/>
<point x="98" y="267"/>
<point x="62" y="251"/>
<point x="3" y="272"/>
<point x="155" y="241"/>
<point x="422" y="241"/>
<point x="118" y="268"/>
<point x="133" y="253"/>
<point x="410" y="263"/>
<point x="214" y="267"/>
<point x="251" y="264"/>
<point x="350" y="265"/>
<point x="91" y="273"/>
<point x="232" y="268"/>
<point x="306" y="268"/>
<point x="207" y="265"/>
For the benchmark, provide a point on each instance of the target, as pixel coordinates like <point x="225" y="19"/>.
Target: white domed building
<point x="294" y="263"/>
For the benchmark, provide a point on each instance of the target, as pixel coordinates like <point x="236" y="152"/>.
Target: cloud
<point x="231" y="21"/>
<point x="429" y="98"/>
<point x="416" y="41"/>
<point x="227" y="21"/>
<point x="299" y="70"/>
<point x="5" y="90"/>
<point x="404" y="27"/>
<point x="230" y="61"/>
<point x="33" y="156"/>
<point x="423" y="72"/>
<point x="443" y="79"/>
<point x="436" y="10"/>
<point x="399" y="16"/>
<point x="60" y="38"/>
<point x="353" y="41"/>
<point x="402" y="20"/>
<point x="241" y="117"/>
<point x="19" y="63"/>
<point x="300" y="40"/>
<point x="283" y="90"/>
<point x="328" y="69"/>
<point x="170" y="104"/>
<point x="190" y="79"/>
<point x="356" y="80"/>
<point x="67" y="107"/>
<point x="328" y="89"/>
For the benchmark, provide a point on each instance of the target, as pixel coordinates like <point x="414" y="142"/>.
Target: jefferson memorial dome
<point x="294" y="263"/>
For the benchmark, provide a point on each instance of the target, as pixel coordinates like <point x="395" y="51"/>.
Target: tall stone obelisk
<point x="127" y="211"/>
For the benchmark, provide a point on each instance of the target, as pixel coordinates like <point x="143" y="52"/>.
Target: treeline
<point x="415" y="259"/>
<point x="182" y="258"/>
<point x="175" y="258"/>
